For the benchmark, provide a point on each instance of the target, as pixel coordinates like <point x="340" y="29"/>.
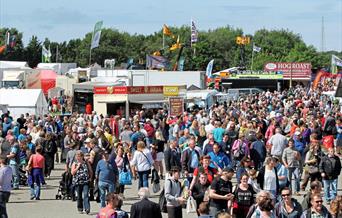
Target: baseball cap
<point x="87" y="140"/>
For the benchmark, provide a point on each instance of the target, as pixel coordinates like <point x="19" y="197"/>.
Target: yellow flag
<point x="167" y="31"/>
<point x="176" y="46"/>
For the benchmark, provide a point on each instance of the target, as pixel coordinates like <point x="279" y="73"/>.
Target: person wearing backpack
<point x="109" y="210"/>
<point x="173" y="195"/>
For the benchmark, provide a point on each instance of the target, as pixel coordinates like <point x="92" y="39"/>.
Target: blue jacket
<point x="221" y="159"/>
<point x="106" y="171"/>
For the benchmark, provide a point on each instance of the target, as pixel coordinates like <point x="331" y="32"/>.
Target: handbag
<point x="191" y="205"/>
<point x="125" y="177"/>
<point x="313" y="170"/>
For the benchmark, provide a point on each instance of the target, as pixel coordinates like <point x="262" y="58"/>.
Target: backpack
<point x="240" y="152"/>
<point x="162" y="199"/>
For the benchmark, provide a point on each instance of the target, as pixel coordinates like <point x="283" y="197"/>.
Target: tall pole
<point x="291" y="76"/>
<point x="163" y="41"/>
<point x="90" y="57"/>
<point x="252" y="57"/>
<point x="57" y="54"/>
<point x="322" y="35"/>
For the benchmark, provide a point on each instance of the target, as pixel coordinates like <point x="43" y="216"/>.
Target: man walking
<point x="330" y="168"/>
<point x="145" y="208"/>
<point x="14" y="161"/>
<point x="5" y="185"/>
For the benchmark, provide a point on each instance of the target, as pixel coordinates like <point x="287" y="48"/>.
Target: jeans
<point x="143" y="178"/>
<point x="103" y="187"/>
<point x="295" y="183"/>
<point x="35" y="191"/>
<point x="15" y="171"/>
<point x="174" y="212"/>
<point x="83" y="197"/>
<point x="4" y="197"/>
<point x="330" y="189"/>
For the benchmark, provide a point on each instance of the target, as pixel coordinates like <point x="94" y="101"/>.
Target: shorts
<point x="160" y="156"/>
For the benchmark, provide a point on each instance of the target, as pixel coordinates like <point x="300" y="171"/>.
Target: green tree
<point x="33" y="52"/>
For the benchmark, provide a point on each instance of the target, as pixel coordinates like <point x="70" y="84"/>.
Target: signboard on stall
<point x="102" y="90"/>
<point x="298" y="69"/>
<point x="171" y="90"/>
<point x="176" y="106"/>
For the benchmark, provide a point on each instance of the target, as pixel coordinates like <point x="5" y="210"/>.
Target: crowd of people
<point x="275" y="144"/>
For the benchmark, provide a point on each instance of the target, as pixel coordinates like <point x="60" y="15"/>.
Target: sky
<point x="62" y="20"/>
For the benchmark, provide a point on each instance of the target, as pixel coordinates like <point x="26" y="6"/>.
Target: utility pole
<point x="322" y="35"/>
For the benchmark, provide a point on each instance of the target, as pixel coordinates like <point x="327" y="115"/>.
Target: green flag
<point x="96" y="35"/>
<point x="46" y="55"/>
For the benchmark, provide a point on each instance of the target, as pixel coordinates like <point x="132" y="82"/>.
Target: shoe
<point x="37" y="198"/>
<point x="32" y="197"/>
<point x="87" y="211"/>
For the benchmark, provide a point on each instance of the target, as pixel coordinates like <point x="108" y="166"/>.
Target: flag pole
<point x="252" y="57"/>
<point x="163" y="40"/>
<point x="90" y="56"/>
<point x="57" y="54"/>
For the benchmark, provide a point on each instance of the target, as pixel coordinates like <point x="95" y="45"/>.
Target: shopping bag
<point x="191" y="205"/>
<point x="125" y="178"/>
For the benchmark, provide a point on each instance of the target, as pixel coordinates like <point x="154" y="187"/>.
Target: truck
<point x="154" y="77"/>
<point x="16" y="78"/>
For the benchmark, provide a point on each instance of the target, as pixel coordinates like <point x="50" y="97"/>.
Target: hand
<point x="323" y="175"/>
<point x="186" y="173"/>
<point x="181" y="200"/>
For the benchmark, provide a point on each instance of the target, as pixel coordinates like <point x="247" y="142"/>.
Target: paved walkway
<point x="21" y="206"/>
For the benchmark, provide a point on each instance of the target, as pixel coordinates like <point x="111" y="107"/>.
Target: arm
<point x="284" y="157"/>
<point x="213" y="195"/>
<point x="167" y="159"/>
<point x="97" y="171"/>
<point x="74" y="168"/>
<point x="90" y="170"/>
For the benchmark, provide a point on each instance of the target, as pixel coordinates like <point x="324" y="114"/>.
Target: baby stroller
<point x="64" y="187"/>
<point x="22" y="177"/>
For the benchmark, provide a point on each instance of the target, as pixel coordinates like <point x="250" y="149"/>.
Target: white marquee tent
<point x="21" y="101"/>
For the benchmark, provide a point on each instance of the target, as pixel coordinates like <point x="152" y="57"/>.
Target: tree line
<point x="219" y="44"/>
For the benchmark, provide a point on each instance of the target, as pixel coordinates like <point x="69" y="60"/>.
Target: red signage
<point x="176" y="106"/>
<point x="298" y="69"/>
<point x="105" y="90"/>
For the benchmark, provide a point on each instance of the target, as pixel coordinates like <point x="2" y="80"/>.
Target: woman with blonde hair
<point x="142" y="163"/>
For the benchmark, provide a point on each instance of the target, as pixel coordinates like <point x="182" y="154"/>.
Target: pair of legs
<point x="330" y="189"/>
<point x="104" y="188"/>
<point x="83" y="198"/>
<point x="143" y="178"/>
<point x="15" y="177"/>
<point x="295" y="182"/>
<point x="4" y="197"/>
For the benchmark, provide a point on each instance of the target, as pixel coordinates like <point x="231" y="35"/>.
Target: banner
<point x="297" y="69"/>
<point x="194" y="32"/>
<point x="176" y="106"/>
<point x="156" y="62"/>
<point x="95" y="41"/>
<point x="181" y="64"/>
<point x="335" y="62"/>
<point x="210" y="68"/>
<point x="8" y="35"/>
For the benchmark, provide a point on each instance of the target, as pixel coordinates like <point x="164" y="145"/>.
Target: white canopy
<point x="13" y="64"/>
<point x="21" y="101"/>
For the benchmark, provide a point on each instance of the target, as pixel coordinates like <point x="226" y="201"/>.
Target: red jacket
<point x="149" y="129"/>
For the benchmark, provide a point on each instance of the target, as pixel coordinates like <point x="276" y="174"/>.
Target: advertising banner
<point x="298" y="69"/>
<point x="176" y="106"/>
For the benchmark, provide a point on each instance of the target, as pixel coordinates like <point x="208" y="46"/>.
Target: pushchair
<point x="22" y="177"/>
<point x="64" y="189"/>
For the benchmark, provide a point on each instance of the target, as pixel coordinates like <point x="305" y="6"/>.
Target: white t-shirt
<point x="270" y="182"/>
<point x="140" y="160"/>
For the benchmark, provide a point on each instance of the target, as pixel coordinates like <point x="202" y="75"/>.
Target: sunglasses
<point x="284" y="195"/>
<point x="319" y="201"/>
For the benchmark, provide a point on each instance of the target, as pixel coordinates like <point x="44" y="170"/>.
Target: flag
<point x="256" y="48"/>
<point x="12" y="41"/>
<point x="181" y="64"/>
<point x="176" y="46"/>
<point x="210" y="68"/>
<point x="156" y="62"/>
<point x="8" y="35"/>
<point x="167" y="31"/>
<point x="2" y="49"/>
<point x="46" y="55"/>
<point x="194" y="32"/>
<point x="96" y="35"/>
